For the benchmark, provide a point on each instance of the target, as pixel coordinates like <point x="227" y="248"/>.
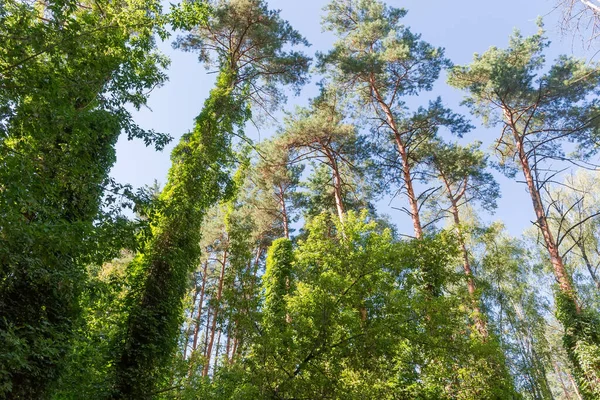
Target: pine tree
<point x="539" y="111"/>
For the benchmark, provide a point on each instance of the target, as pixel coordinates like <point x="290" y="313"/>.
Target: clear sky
<point x="462" y="27"/>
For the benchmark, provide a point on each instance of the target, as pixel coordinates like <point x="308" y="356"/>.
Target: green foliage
<point x="462" y="171"/>
<point x="198" y="179"/>
<point x="552" y="104"/>
<point x="197" y="298"/>
<point x="582" y="342"/>
<point x="336" y="151"/>
<point x="69" y="73"/>
<point x="539" y="110"/>
<point x="102" y="303"/>
<point x="277" y="282"/>
<point x="346" y="315"/>
<point x="248" y="38"/>
<point x="375" y="45"/>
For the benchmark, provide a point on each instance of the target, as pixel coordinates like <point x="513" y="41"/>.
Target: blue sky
<point x="462" y="27"/>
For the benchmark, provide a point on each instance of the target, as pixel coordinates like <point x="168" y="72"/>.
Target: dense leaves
<point x="69" y="73"/>
<point x="269" y="271"/>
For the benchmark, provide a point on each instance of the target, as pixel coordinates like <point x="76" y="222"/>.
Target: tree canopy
<point x="270" y="269"/>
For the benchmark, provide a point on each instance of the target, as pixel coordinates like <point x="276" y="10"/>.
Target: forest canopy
<point x="271" y="268"/>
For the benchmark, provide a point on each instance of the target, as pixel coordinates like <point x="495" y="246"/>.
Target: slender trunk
<point x="188" y="330"/>
<point x="562" y="382"/>
<point x="200" y="306"/>
<point x="337" y="185"/>
<point x="199" y="318"/>
<point x="574" y="384"/>
<point x="406" y="170"/>
<point x="235" y="347"/>
<point x="480" y="323"/>
<point x="228" y="345"/>
<point x="410" y="191"/>
<point x="542" y="381"/>
<point x="216" y="313"/>
<point x="259" y="252"/>
<point x="208" y="321"/>
<point x="216" y="362"/>
<point x="284" y="213"/>
<point x="339" y="205"/>
<point x="561" y="274"/>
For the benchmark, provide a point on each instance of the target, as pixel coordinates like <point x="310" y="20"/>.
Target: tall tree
<point x="319" y="135"/>
<point x="275" y="181"/>
<point x="515" y="308"/>
<point x="379" y="62"/>
<point x="70" y="71"/>
<point x="250" y="44"/>
<point x="539" y="111"/>
<point x="462" y="172"/>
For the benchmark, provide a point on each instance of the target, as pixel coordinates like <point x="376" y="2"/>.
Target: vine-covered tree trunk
<point x="69" y="71"/>
<point x="197" y="180"/>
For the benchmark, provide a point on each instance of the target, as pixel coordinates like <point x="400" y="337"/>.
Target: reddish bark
<point x="406" y="169"/>
<point x="560" y="273"/>
<point x="284" y="213"/>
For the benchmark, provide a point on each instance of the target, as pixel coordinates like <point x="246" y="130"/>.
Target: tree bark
<point x="284" y="213"/>
<point x="216" y="313"/>
<point x="406" y="170"/>
<point x="337" y="185"/>
<point x="200" y="306"/>
<point x="562" y="382"/>
<point x="216" y="362"/>
<point x="574" y="384"/>
<point x="189" y="328"/>
<point x="558" y="266"/>
<point x="228" y="345"/>
<point x="480" y="323"/>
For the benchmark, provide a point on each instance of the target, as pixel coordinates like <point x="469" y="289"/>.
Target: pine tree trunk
<point x="284" y="213"/>
<point x="235" y="347"/>
<point x="337" y="188"/>
<point x="216" y="362"/>
<point x="480" y="323"/>
<point x="562" y="382"/>
<point x="206" y="328"/>
<point x="406" y="171"/>
<point x="200" y="306"/>
<point x="561" y="274"/>
<point x="410" y="191"/>
<point x="215" y="316"/>
<point x="574" y="384"/>
<point x="188" y="330"/>
<point x="228" y="344"/>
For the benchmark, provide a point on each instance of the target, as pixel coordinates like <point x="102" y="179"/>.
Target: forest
<point x="271" y="269"/>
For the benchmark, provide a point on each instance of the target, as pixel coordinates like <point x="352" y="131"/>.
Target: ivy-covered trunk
<point x="197" y="180"/>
